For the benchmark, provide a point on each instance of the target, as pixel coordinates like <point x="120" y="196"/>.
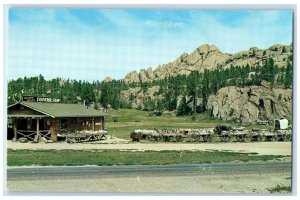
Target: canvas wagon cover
<point x="281" y="123"/>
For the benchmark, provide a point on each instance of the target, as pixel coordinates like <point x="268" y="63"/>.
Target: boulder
<point x="136" y="96"/>
<point x="107" y="79"/>
<point x="131" y="92"/>
<point x="142" y="76"/>
<point x="250" y="104"/>
<point x="132" y="77"/>
<point x="193" y="58"/>
<point x="149" y="73"/>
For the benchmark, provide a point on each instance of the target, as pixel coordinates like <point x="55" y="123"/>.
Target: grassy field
<point x="115" y="157"/>
<point x="123" y="121"/>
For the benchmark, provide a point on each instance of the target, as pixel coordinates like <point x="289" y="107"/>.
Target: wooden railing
<point x="32" y="135"/>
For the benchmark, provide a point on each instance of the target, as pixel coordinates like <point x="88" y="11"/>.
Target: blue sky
<point x="90" y="44"/>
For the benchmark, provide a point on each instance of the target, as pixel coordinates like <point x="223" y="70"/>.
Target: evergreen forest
<point x="186" y="88"/>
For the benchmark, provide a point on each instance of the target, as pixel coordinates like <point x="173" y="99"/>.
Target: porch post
<point x="102" y="119"/>
<point x="54" y="129"/>
<point x="93" y="123"/>
<point x="38" y="129"/>
<point x="14" y="121"/>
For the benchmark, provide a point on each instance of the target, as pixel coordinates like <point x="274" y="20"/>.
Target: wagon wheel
<point x="198" y="138"/>
<point x="194" y="138"/>
<point x="72" y="140"/>
<point x="156" y="138"/>
<point x="279" y="138"/>
<point x="270" y="138"/>
<point x="160" y="138"/>
<point x="225" y="138"/>
<point x="222" y="138"/>
<point x="260" y="138"/>
<point x="207" y="138"/>
<point x="255" y="138"/>
<point x="247" y="138"/>
<point x="283" y="137"/>
<point x="240" y="138"/>
<point x="190" y="138"/>
<point x="210" y="138"/>
<point x="166" y="138"/>
<point x="149" y="137"/>
<point x="69" y="140"/>
<point x="288" y="137"/>
<point x="179" y="138"/>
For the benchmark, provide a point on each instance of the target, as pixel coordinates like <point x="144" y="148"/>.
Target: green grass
<point x="280" y="189"/>
<point x="116" y="157"/>
<point x="130" y="119"/>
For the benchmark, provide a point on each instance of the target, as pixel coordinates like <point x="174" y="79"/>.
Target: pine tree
<point x="170" y="98"/>
<point x="104" y="97"/>
<point x="183" y="108"/>
<point x="159" y="106"/>
<point x="205" y="88"/>
<point x="288" y="79"/>
<point x="192" y="88"/>
<point x="272" y="71"/>
<point x="41" y="87"/>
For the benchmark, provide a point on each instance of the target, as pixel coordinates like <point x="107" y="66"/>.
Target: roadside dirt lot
<point x="262" y="148"/>
<point x="233" y="183"/>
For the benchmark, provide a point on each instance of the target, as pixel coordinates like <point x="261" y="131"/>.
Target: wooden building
<point x="36" y="120"/>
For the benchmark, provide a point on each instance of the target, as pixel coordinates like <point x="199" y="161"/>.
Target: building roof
<point x="56" y="110"/>
<point x="26" y="116"/>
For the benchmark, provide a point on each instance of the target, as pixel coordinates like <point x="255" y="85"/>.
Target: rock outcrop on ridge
<point x="210" y="57"/>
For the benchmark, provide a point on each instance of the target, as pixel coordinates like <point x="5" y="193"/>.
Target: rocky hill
<point x="243" y="103"/>
<point x="210" y="57"/>
<point x="251" y="103"/>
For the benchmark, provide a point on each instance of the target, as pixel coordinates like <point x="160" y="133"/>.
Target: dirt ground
<point x="262" y="148"/>
<point x="217" y="183"/>
<point x="233" y="183"/>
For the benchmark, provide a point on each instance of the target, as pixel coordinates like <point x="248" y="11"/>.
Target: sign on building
<point x="41" y="99"/>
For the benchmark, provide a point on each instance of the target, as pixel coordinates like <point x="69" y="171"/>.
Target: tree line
<point x="200" y="85"/>
<point x="179" y="93"/>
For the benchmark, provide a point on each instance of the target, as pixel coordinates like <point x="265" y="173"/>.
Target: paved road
<point x="219" y="177"/>
<point x="190" y="169"/>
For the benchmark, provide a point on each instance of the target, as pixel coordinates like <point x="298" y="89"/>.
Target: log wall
<point x="78" y="124"/>
<point x="54" y="129"/>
